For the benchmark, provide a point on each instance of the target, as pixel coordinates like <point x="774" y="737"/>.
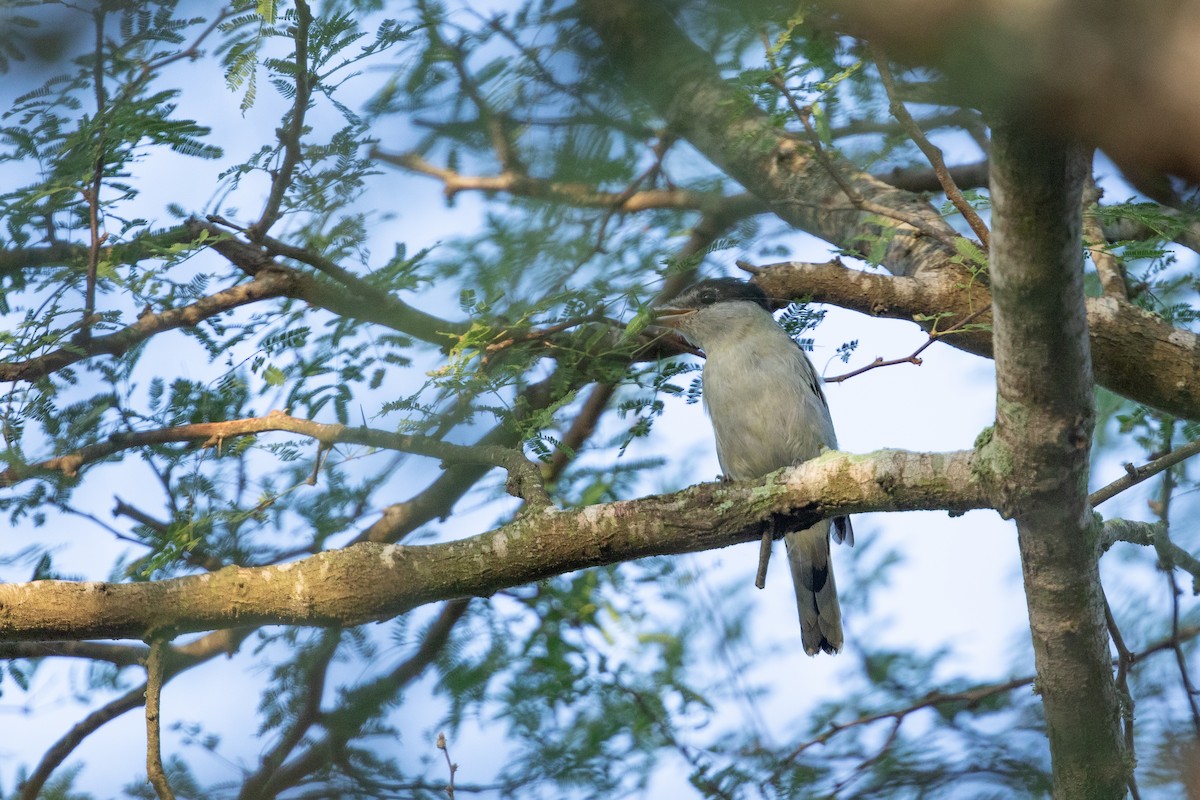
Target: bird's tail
<point x="816" y="594"/>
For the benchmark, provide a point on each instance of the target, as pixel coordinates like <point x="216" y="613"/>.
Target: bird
<point x="768" y="411"/>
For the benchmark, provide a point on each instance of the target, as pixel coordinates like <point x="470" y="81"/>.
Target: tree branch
<point x="575" y="194"/>
<point x="682" y="83"/>
<point x="368" y="581"/>
<point x="1135" y="475"/>
<point x="290" y="137"/>
<point x="1163" y="371"/>
<point x="154" y="683"/>
<point x="931" y="151"/>
<point x="182" y="658"/>
<point x="523" y="474"/>
<point x="267" y="285"/>
<point x="1108" y="266"/>
<point x="363" y="703"/>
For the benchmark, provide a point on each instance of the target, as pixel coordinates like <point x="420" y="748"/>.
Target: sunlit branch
<point x="369" y="581"/>
<point x="576" y="194"/>
<point x="215" y="434"/>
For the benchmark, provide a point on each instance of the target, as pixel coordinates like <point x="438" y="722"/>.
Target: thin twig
<point x="764" y="554"/>
<point x="450" y="765"/>
<point x="154" y="682"/>
<point x="289" y="137"/>
<point x="967" y="697"/>
<point x="914" y="357"/>
<point x="186" y="657"/>
<point x="660" y="152"/>
<point x="1135" y="475"/>
<point x="931" y="151"/>
<point x="861" y="769"/>
<point x="91" y="193"/>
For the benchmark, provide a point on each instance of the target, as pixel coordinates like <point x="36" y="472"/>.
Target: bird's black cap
<point x="719" y="290"/>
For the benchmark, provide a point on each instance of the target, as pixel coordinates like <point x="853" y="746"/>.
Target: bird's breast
<point x="764" y="412"/>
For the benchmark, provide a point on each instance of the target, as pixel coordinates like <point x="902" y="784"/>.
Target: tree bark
<point x="1043" y="435"/>
<point x="370" y="581"/>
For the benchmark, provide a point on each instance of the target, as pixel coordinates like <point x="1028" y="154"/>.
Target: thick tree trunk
<point x="1043" y="436"/>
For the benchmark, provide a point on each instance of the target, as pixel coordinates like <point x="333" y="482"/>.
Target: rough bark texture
<point x="1043" y="431"/>
<point x="370" y="581"/>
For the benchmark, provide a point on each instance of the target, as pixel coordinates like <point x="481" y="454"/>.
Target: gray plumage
<point x="768" y="411"/>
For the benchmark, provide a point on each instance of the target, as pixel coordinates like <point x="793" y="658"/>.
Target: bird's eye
<point x="708" y="297"/>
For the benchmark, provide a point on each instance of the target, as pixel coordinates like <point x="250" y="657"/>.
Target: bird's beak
<point x="671" y="317"/>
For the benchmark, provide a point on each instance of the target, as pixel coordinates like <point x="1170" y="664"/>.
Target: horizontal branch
<point x="213" y="434"/>
<point x="370" y="581"/>
<point x="576" y="194"/>
<point x="1136" y="353"/>
<point x="267" y="284"/>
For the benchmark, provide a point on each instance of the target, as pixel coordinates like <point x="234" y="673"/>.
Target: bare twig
<point x="91" y="193"/>
<point x="187" y="656"/>
<point x="764" y="557"/>
<point x="154" y="682"/>
<point x="914" y="357"/>
<point x="931" y="151"/>
<point x="647" y="175"/>
<point x="1135" y="475"/>
<point x="1162" y="544"/>
<point x="450" y="765"/>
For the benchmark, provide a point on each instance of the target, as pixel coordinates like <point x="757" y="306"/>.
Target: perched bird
<point x="768" y="411"/>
